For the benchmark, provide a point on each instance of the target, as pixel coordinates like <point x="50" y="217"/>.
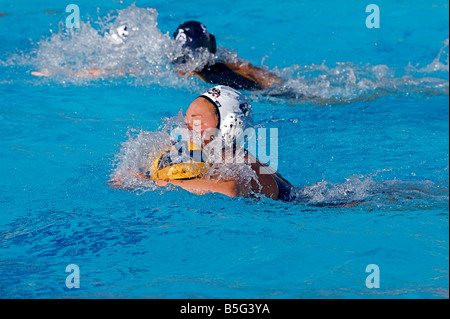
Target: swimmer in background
<point x="193" y="38"/>
<point x="222" y="114"/>
<point x="116" y="37"/>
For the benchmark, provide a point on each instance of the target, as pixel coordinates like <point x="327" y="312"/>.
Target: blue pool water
<point x="378" y="134"/>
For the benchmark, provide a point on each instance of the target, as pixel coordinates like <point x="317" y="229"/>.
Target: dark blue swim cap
<point x="193" y="35"/>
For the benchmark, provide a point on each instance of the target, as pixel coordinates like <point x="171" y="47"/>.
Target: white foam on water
<point x="439" y="64"/>
<point x="146" y="54"/>
<point x="348" y="82"/>
<point x="142" y="148"/>
<point x="367" y="191"/>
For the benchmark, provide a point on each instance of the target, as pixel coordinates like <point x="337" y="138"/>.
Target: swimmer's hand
<point x="116" y="181"/>
<point x="162" y="182"/>
<point x="119" y="181"/>
<point x="42" y="73"/>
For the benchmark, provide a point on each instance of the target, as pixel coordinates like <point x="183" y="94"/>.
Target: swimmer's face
<point x="201" y="117"/>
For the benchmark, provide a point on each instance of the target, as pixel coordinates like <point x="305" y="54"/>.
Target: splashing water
<point x="439" y="64"/>
<point x="348" y="82"/>
<point x="364" y="190"/>
<point x="140" y="150"/>
<point x="146" y="54"/>
<point x="144" y="147"/>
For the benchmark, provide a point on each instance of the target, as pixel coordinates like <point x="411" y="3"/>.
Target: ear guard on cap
<point x="234" y="109"/>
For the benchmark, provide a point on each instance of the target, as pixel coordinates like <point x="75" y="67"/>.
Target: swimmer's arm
<point x="267" y="184"/>
<point x="97" y="71"/>
<point x="263" y="77"/>
<point x="89" y="72"/>
<point x="47" y="73"/>
<point x="232" y="188"/>
<point x="202" y="186"/>
<point x="198" y="186"/>
<point x="192" y="73"/>
<point x="42" y="73"/>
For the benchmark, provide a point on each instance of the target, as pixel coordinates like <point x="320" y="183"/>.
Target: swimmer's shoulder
<point x="221" y="73"/>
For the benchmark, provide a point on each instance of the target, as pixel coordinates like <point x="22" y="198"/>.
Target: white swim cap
<point x="120" y="34"/>
<point x="235" y="112"/>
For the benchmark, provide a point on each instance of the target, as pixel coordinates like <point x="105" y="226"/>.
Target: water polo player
<point x="219" y="116"/>
<point x="239" y="74"/>
<point x="193" y="38"/>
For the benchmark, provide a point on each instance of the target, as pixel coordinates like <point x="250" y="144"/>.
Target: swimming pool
<point x="383" y="141"/>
